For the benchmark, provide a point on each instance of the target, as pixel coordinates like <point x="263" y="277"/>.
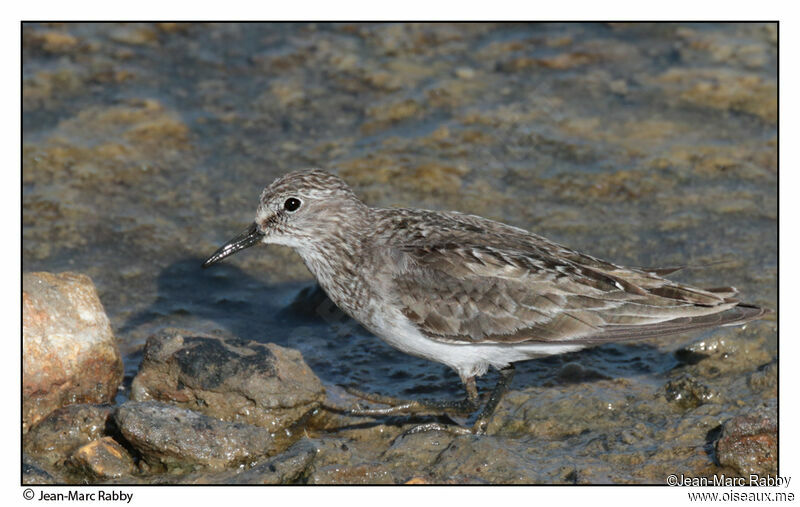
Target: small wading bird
<point x="467" y="291"/>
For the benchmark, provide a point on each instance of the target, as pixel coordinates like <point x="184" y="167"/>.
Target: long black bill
<point x="247" y="238"/>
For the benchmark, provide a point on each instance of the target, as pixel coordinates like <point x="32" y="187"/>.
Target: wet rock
<point x="687" y="392"/>
<point x="766" y="378"/>
<point x="235" y="380"/>
<point x="56" y="436"/>
<point x="740" y="351"/>
<point x="69" y="352"/>
<point x="102" y="459"/>
<point x="35" y="472"/>
<point x="285" y="468"/>
<point x="361" y="473"/>
<point x="181" y="439"/>
<point x="749" y="443"/>
<point x="411" y="455"/>
<point x="576" y="372"/>
<point x="483" y="459"/>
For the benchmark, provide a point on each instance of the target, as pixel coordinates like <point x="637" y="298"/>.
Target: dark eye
<point x="291" y="204"/>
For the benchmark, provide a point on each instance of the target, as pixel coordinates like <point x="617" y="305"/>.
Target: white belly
<point x="469" y="359"/>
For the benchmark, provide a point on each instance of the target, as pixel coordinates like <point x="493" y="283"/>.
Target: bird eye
<point x="291" y="204"/>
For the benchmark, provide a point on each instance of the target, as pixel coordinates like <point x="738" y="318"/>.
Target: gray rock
<point x="484" y="459"/>
<point x="236" y="380"/>
<point x="68" y="349"/>
<point x="182" y="439"/>
<point x="285" y="468"/>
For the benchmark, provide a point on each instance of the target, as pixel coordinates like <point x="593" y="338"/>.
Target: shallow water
<point x="146" y="147"/>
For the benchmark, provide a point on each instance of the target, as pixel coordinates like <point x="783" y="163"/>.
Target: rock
<point x="282" y="469"/>
<point x="765" y="378"/>
<point x="749" y="443"/>
<point x="576" y="372"/>
<point x="68" y="349"/>
<point x="361" y="473"/>
<point x="182" y="439"/>
<point x="687" y="392"/>
<point x="735" y="352"/>
<point x="103" y="459"/>
<point x="285" y="468"/>
<point x="483" y="459"/>
<point x="412" y="455"/>
<point x="235" y="380"/>
<point x="35" y="472"/>
<point x="55" y="437"/>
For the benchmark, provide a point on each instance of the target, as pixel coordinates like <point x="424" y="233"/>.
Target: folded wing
<point x="542" y="292"/>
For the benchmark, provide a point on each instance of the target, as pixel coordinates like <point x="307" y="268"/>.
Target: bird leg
<point x="467" y="405"/>
<point x="503" y="384"/>
<point x="479" y="428"/>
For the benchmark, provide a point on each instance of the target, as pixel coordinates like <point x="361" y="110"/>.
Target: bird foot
<point x="410" y="407"/>
<point x="479" y="428"/>
<point x="467" y="406"/>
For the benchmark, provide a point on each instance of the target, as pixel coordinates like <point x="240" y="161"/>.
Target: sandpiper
<point x="467" y="291"/>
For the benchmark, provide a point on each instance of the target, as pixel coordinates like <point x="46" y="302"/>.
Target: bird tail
<point x="734" y="316"/>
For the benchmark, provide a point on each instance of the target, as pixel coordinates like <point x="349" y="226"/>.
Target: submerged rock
<point x="687" y="392"/>
<point x="235" y="380"/>
<point x="69" y="353"/>
<point x="181" y="439"/>
<point x="765" y="378"/>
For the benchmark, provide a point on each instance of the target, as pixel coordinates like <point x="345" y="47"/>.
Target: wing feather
<point x="538" y="291"/>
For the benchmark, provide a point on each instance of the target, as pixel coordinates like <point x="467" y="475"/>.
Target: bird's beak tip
<point x="246" y="239"/>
